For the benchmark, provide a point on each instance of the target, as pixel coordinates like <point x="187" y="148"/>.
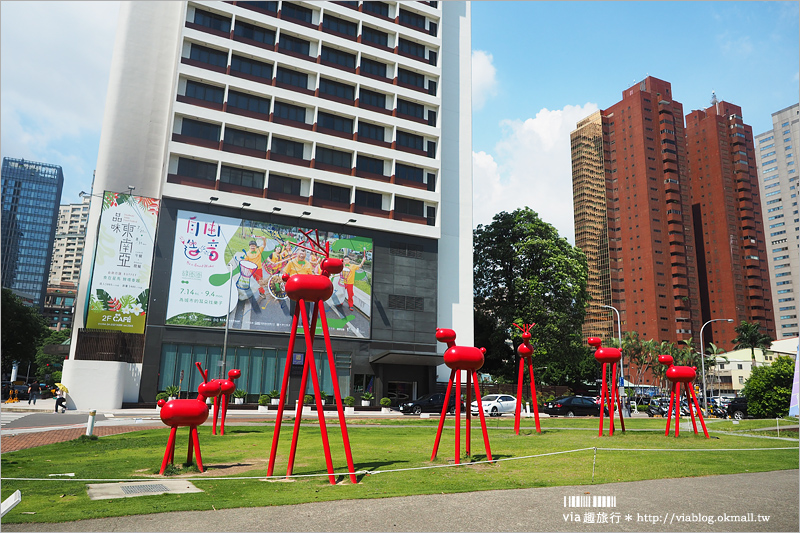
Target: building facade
<point x="349" y="118"/>
<point x="65" y="265"/>
<point x="729" y="230"/>
<point x="652" y="268"/>
<point x="31" y="193"/>
<point x="778" y="182"/>
<point x="59" y="305"/>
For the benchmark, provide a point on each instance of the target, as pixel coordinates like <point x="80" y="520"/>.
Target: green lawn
<point x="392" y="444"/>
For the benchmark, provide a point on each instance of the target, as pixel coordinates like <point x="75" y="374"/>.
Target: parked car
<point x="573" y="406"/>
<point x="430" y="403"/>
<point x="737" y="409"/>
<point x="495" y="404"/>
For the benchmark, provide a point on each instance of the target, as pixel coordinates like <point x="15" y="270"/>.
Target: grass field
<point x="398" y="445"/>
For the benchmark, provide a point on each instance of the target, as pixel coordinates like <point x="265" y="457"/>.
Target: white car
<point x="496" y="404"/>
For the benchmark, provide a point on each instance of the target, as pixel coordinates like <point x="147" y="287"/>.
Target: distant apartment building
<point x="729" y="231"/>
<point x="65" y="265"/>
<point x="634" y="188"/>
<point x="775" y="152"/>
<point x="31" y="193"/>
<point x="59" y="305"/>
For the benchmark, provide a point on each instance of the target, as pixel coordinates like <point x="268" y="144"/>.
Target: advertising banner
<point x="231" y="269"/>
<point x="120" y="289"/>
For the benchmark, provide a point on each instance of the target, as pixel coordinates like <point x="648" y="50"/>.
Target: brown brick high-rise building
<point x="729" y="231"/>
<point x="651" y="267"/>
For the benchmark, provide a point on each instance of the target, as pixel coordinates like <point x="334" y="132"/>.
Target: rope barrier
<point x="393" y="470"/>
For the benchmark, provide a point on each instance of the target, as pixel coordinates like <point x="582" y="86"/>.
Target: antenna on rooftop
<point x="714" y="98"/>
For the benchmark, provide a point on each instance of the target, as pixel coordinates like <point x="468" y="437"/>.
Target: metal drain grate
<point x="143" y="489"/>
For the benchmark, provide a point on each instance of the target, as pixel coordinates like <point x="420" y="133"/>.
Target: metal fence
<point x="104" y="345"/>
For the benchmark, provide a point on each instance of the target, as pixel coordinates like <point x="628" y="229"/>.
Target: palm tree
<point x="748" y="335"/>
<point x="713" y="358"/>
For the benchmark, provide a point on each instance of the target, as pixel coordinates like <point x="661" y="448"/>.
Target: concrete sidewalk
<point x="737" y="502"/>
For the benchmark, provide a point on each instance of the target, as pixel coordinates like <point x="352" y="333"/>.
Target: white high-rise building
<point x="777" y="151"/>
<point x="351" y="118"/>
<point x="65" y="265"/>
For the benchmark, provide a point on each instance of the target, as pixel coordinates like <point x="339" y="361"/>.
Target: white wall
<point x="101" y="385"/>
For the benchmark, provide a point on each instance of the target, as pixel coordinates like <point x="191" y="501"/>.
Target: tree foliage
<point x="525" y="272"/>
<point x="22" y="329"/>
<point x="769" y="388"/>
<point x="748" y="335"/>
<point x="48" y="364"/>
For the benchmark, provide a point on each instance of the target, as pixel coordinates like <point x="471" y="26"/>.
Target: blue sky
<point x="538" y="68"/>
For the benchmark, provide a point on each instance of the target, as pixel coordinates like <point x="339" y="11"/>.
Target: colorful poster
<point x="120" y="289"/>
<point x="229" y="269"/>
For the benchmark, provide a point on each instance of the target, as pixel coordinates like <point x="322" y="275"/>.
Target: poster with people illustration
<point x="227" y="268"/>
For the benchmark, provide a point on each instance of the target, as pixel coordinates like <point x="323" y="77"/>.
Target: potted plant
<point x="161" y="396"/>
<point x="275" y="397"/>
<point x="366" y="398"/>
<point x="172" y="391"/>
<point x="239" y="396"/>
<point x="386" y="403"/>
<point x="349" y="402"/>
<point x="263" y="402"/>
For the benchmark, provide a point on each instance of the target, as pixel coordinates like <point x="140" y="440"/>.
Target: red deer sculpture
<point x="221" y="401"/>
<point x="525" y="351"/>
<point x="187" y="413"/>
<point x="301" y="288"/>
<point x="677" y="375"/>
<point x="459" y="358"/>
<point x="611" y="398"/>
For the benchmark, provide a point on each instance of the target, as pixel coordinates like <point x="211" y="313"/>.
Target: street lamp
<point x="619" y="331"/>
<point x="702" y="357"/>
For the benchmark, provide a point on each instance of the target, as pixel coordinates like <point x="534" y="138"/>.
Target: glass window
<point x="411" y="48"/>
<point x="375" y="68"/>
<point x="334" y="88"/>
<point x="201" y="91"/>
<point x="212" y="20"/>
<point x="197" y="169"/>
<point x="378" y="8"/>
<point x="266" y="6"/>
<point x="412" y="19"/>
<point x="211" y="56"/>
<point x="410" y="108"/>
<point x="293" y="44"/>
<point x="246" y="139"/>
<point x="335" y="158"/>
<point x="409" y="206"/>
<point x="293" y="11"/>
<point x="369" y="199"/>
<point x="291" y="77"/>
<point x="290" y="112"/>
<point x="287" y="147"/>
<point x="332" y="193"/>
<point x="411" y="78"/>
<point x="249" y="102"/>
<point x="371" y="131"/>
<point x="371" y="35"/>
<point x="284" y="184"/>
<point x="335" y="122"/>
<point x="251" y="67"/>
<point x="254" y="33"/>
<point x="338" y="57"/>
<point x="372" y="98"/>
<point x="242" y="176"/>
<point x="338" y="25"/>
<point x="408" y="173"/>
<point x="369" y="164"/>
<point x="409" y="140"/>
<point x="200" y="130"/>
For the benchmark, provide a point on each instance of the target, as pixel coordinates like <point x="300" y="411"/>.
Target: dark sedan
<point x="430" y="403"/>
<point x="573" y="406"/>
<point x="737" y="409"/>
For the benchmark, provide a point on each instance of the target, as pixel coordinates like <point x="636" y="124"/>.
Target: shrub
<point x="173" y="390"/>
<point x="263" y="399"/>
<point x="308" y="399"/>
<point x="162" y="396"/>
<point x="367" y="396"/>
<point x="239" y="393"/>
<point x="349" y="401"/>
<point x="274" y="393"/>
<point x="386" y="402"/>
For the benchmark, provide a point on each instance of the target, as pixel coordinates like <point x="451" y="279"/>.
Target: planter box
<point x="364" y="403"/>
<point x="349" y="410"/>
<point x="238" y="401"/>
<point x="386" y="410"/>
<point x="274" y="401"/>
<point x="263" y="408"/>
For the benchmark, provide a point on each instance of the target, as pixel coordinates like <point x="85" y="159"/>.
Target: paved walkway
<point x="737" y="502"/>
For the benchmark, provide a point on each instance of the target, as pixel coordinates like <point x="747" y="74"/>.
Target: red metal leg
<point x="444" y="413"/>
<point x="224" y="399"/>
<point x="677" y="388"/>
<point x="216" y="413"/>
<point x="303" y="383"/>
<point x="518" y="410"/>
<point x="189" y="452"/>
<point x="603" y="397"/>
<point x="621" y="419"/>
<point x="534" y="400"/>
<point x="468" y="414"/>
<point x="700" y="414"/>
<point x="458" y="417"/>
<point x="323" y="429"/>
<point x="686" y="388"/>
<point x="611" y="398"/>
<point x="669" y="413"/>
<point x="169" y="448"/>
<point x="482" y="417"/>
<point x="196" y="440"/>
<point x="338" y="395"/>
<point x="284" y="384"/>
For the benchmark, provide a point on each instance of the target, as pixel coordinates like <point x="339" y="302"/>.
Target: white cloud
<point x="54" y="64"/>
<point x="531" y="167"/>
<point x="484" y="80"/>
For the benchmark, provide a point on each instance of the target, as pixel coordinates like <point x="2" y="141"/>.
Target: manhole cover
<point x="143" y="489"/>
<point x="104" y="491"/>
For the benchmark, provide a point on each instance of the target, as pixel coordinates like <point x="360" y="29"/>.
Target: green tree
<point x="713" y="358"/>
<point x="523" y="271"/>
<point x="22" y="328"/>
<point x="748" y="335"/>
<point x="769" y="388"/>
<point x="49" y="364"/>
